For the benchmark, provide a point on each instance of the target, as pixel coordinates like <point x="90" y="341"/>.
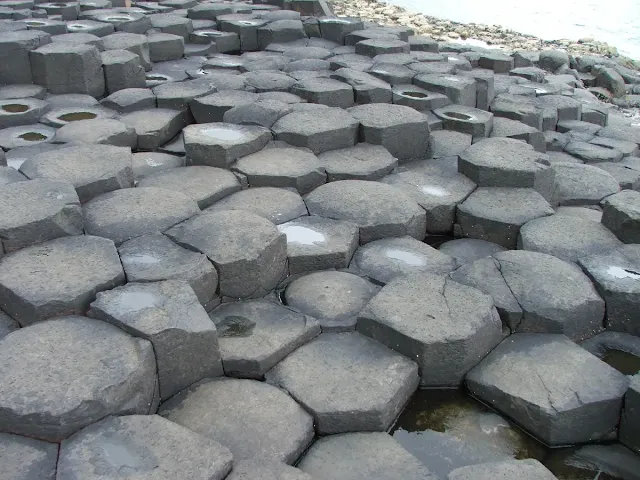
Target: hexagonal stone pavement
<point x="168" y="314"/>
<point x="58" y="277"/>
<point x="388" y="212"/>
<point x="252" y="419"/>
<point x="348" y="382"/>
<point x="41" y="395"/>
<point x="551" y="387"/>
<point x="334" y="298"/>
<point x="414" y="315"/>
<point x="142" y="445"/>
<point x="255" y="335"/>
<point x="278" y="205"/>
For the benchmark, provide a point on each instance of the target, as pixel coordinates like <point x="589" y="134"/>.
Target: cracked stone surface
<point x="550" y="386"/>
<point x="28" y="458"/>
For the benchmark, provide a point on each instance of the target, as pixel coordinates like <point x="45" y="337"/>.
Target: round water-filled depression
<point x="209" y="33"/>
<point x="154" y="79"/>
<point x="623" y="361"/>
<point x="336" y="20"/>
<point x="32" y="137"/>
<point x="75" y="116"/>
<point x="77" y="27"/>
<point x="246" y="22"/>
<point x="14" y="108"/>
<point x="458" y="116"/>
<point x="35" y="23"/>
<point x="118" y="18"/>
<point x="412" y="94"/>
<point x="223" y="134"/>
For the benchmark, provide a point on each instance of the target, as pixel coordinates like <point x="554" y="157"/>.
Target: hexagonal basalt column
<point x="132" y="42"/>
<point x="366" y="87"/>
<point x="334" y="298"/>
<point x="26" y="135"/>
<point x="463" y="119"/>
<point x="255" y="335"/>
<point x="556" y="390"/>
<point x="246" y="28"/>
<point x="401" y="130"/>
<point x="506" y="162"/>
<point x="129" y="213"/>
<point x="40" y="396"/>
<point x="360" y="162"/>
<point x="220" y="144"/>
<point x="254" y="265"/>
<point x="21" y="111"/>
<point x="254" y="420"/>
<point x="578" y="184"/>
<point x="447" y="327"/>
<point x="460" y="89"/>
<point x="169" y="315"/>
<point x="377" y="46"/>
<point x="81" y="265"/>
<point x="280" y="31"/>
<point x="151" y="443"/>
<point x="122" y="70"/>
<point x="333" y="129"/>
<point x="325" y="91"/>
<point x="68" y="68"/>
<point x="418" y="98"/>
<point x="621" y="215"/>
<point x="388" y="212"/>
<point x="15" y="65"/>
<point x="277" y="205"/>
<point x="155" y="126"/>
<point x="348" y="382"/>
<point x="106" y="131"/>
<point x="37" y="211"/>
<point x="505" y="127"/>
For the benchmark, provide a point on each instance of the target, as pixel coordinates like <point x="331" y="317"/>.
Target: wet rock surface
<point x="279" y="223"/>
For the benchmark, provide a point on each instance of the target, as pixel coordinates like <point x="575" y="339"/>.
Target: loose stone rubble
<point x="236" y="238"/>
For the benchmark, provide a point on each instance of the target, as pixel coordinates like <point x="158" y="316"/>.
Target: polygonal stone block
<point x="564" y="300"/>
<point x="263" y="113"/>
<point x="528" y="469"/>
<point x="220" y="144"/>
<point x="377" y="46"/>
<point x="124" y="214"/>
<point x="254" y="420"/>
<point x="14" y="57"/>
<point x="122" y="70"/>
<point x="37" y="211"/>
<point x="414" y="316"/>
<point x="41" y="398"/>
<point x="335" y="29"/>
<point x="463" y="119"/>
<point x="445" y="143"/>
<point x="418" y="98"/>
<point x="622" y="132"/>
<point x="325" y="91"/>
<point x="349" y="456"/>
<point x="334" y="298"/>
<point x="497" y="62"/>
<point x="497" y="214"/>
<point x="591" y="153"/>
<point x="27" y="135"/>
<point x="208" y="11"/>
<point x="147" y="163"/>
<point x="621" y="215"/>
<point x="334" y="129"/>
<point x="92" y="170"/>
<point x="99" y="29"/>
<point x="205" y="185"/>
<point x="155" y="126"/>
<point x="172" y="24"/>
<point x="360" y="162"/>
<point x="123" y="21"/>
<point x="505" y="127"/>
<point x="630" y="420"/>
<point x="617" y="278"/>
<point x="280" y="31"/>
<point x="388" y="212"/>
<point x="68" y="68"/>
<point x="246" y="28"/>
<point x="132" y="42"/>
<point x="150" y="442"/>
<point x="518" y="107"/>
<point x="211" y="108"/>
<point x="277" y="205"/>
<point x="468" y="250"/>
<point x="165" y="46"/>
<point x="129" y="100"/>
<point x="24" y="457"/>
<point x="22" y="111"/>
<point x="81" y="265"/>
<point x="255" y="335"/>
<point x="460" y="90"/>
<point x="549" y="235"/>
<point x="506" y="162"/>
<point x="366" y="87"/>
<point x="556" y="390"/>
<point x="105" y="131"/>
<point x="485" y="86"/>
<point x="282" y="167"/>
<point x="11" y="175"/>
<point x="345" y="363"/>
<point x="401" y="130"/>
<point x="168" y="314"/>
<point x="178" y="95"/>
<point x="254" y="265"/>
<point x="385" y="259"/>
<point x="578" y="184"/>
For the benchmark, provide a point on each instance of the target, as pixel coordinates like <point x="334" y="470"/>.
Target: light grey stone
<point x="26" y="458"/>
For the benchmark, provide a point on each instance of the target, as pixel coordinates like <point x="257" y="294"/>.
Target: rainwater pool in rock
<point x="448" y="429"/>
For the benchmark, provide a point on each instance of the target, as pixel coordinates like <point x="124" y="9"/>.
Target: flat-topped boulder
<point x="155" y="126"/>
<point x="388" y="212"/>
<point x="348" y="382"/>
<point x="252" y="419"/>
<point x="551" y="387"/>
<point x="153" y="445"/>
<point x="621" y="215"/>
<point x="277" y="205"/>
<point x="91" y="169"/>
<point x="467" y="250"/>
<point x="383" y="260"/>
<point x="363" y="161"/>
<point x="41" y="398"/>
<point x="414" y="316"/>
<point x="36" y="211"/>
<point x="247" y="250"/>
<point x="549" y="235"/>
<point x="105" y="131"/>
<point x="125" y="214"/>
<point x="255" y="335"/>
<point x="353" y="456"/>
<point x="630" y="419"/>
<point x="528" y="469"/>
<point x="578" y="184"/>
<point x="80" y="265"/>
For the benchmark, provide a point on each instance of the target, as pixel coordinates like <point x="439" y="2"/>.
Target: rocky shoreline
<point x="446" y="30"/>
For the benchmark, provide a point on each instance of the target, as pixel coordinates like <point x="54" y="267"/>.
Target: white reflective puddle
<point x="434" y="190"/>
<point x="152" y="163"/>
<point x="619" y="272"/>
<point x="409" y="258"/>
<point x="136" y="301"/>
<point x="226" y="134"/>
<point x="302" y="235"/>
<point x="140" y="259"/>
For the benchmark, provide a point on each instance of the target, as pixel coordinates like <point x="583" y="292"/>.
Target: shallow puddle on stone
<point x="619" y="272"/>
<point x="152" y="163"/>
<point x="302" y="235"/>
<point x="75" y="116"/>
<point x="225" y="134"/>
<point x="32" y="136"/>
<point x="434" y="190"/>
<point x="140" y="259"/>
<point x="409" y="258"/>
<point x="15" y="108"/>
<point x="235" y="326"/>
<point x="137" y="301"/>
<point x="448" y="429"/>
<point x="624" y="362"/>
